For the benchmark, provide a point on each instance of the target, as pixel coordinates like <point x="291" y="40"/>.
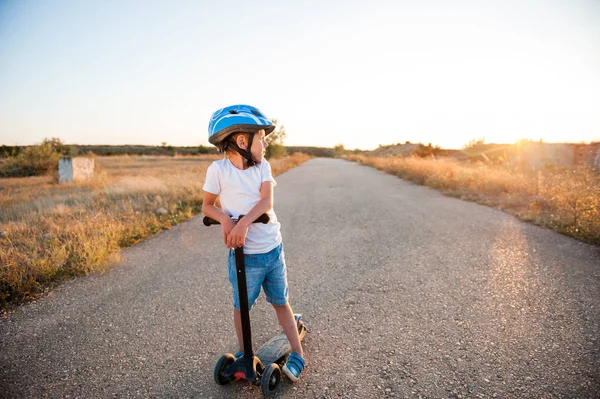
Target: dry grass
<point x="567" y="201"/>
<point x="280" y="165"/>
<point x="56" y="231"/>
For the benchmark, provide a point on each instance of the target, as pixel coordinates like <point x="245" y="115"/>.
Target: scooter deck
<point x="277" y="348"/>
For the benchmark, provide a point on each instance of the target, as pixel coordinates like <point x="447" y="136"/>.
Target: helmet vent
<point x="233" y="111"/>
<point x="255" y="112"/>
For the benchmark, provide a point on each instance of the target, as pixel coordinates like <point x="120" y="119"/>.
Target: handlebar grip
<point x="264" y="219"/>
<point x="209" y="221"/>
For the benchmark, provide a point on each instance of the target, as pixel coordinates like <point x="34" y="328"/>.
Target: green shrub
<point x="36" y="160"/>
<point x="275" y="140"/>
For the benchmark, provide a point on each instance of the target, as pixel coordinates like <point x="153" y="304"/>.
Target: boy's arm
<point x="237" y="237"/>
<point x="210" y="209"/>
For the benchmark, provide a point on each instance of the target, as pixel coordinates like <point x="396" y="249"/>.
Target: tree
<point x="339" y="150"/>
<point x="275" y="140"/>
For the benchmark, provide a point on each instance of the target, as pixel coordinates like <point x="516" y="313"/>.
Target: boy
<point x="244" y="184"/>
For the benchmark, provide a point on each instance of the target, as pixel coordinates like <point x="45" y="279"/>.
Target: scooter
<point x="264" y="367"/>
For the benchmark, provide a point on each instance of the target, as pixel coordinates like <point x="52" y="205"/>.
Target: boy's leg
<point x="288" y="323"/>
<point x="276" y="290"/>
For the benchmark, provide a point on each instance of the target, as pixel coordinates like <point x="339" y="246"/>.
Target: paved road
<point x="407" y="294"/>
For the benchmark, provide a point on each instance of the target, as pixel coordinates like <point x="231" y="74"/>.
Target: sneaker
<point x="294" y="366"/>
<point x="238" y="354"/>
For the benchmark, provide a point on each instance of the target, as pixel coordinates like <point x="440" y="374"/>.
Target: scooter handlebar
<point x="264" y="219"/>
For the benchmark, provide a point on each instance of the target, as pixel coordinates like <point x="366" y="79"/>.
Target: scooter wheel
<point x="270" y="379"/>
<point x="221" y="366"/>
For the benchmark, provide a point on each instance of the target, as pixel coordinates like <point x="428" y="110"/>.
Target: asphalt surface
<point x="407" y="293"/>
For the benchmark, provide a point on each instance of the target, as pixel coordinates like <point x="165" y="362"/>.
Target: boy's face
<point x="259" y="146"/>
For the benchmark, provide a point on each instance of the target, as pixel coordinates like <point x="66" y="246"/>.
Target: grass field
<point x="565" y="200"/>
<point x="51" y="232"/>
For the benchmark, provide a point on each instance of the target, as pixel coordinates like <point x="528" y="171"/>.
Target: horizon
<point x="350" y="73"/>
<point x="485" y="143"/>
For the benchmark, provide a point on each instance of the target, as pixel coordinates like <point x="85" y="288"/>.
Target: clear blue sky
<point x="358" y="73"/>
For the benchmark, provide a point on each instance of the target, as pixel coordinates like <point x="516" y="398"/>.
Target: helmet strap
<point x="244" y="153"/>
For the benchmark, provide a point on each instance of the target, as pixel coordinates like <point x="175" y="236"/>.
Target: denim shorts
<point x="262" y="270"/>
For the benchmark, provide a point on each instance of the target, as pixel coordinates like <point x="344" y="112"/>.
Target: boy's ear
<point x="241" y="141"/>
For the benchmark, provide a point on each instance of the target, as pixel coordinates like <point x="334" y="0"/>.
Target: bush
<point x="36" y="160"/>
<point x="8" y="151"/>
<point x="312" y="151"/>
<point x="339" y="150"/>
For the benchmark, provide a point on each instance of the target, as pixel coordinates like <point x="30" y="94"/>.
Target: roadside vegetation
<point x="563" y="199"/>
<point x="50" y="232"/>
<point x="36" y="160"/>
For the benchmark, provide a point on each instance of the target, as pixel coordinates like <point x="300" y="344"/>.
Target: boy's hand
<point x="226" y="226"/>
<point x="237" y="236"/>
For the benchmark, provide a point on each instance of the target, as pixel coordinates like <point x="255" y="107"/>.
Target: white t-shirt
<point x="239" y="191"/>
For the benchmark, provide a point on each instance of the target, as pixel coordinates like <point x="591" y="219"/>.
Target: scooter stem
<point x="243" y="296"/>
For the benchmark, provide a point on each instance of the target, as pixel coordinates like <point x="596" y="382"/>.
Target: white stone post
<point x="75" y="169"/>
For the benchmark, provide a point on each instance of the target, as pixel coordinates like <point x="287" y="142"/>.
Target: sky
<point x="356" y="73"/>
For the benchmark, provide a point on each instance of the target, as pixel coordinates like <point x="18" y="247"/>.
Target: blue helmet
<point x="238" y="118"/>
